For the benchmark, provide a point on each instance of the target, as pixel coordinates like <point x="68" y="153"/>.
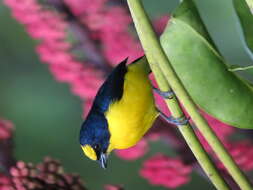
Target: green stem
<point x="188" y="132"/>
<point x="155" y="54"/>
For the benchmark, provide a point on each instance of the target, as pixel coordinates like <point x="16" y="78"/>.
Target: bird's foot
<point x="167" y="95"/>
<point x="175" y="121"/>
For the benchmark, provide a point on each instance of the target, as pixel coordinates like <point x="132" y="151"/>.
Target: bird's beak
<point x="103" y="160"/>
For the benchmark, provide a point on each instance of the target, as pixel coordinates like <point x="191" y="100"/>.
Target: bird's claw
<point x="175" y="121"/>
<point x="167" y="95"/>
<point x="178" y="121"/>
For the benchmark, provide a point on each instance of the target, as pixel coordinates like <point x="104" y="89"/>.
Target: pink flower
<point x="50" y="28"/>
<point x="160" y="24"/>
<point x="5" y="182"/>
<point x="108" y="25"/>
<point x="91" y="7"/>
<point x="135" y="152"/>
<point x="242" y="153"/>
<point x="6" y="129"/>
<point x="166" y="171"/>
<point x="112" y="187"/>
<point x="222" y="130"/>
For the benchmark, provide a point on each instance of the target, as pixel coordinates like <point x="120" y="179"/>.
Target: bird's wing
<point x="112" y="88"/>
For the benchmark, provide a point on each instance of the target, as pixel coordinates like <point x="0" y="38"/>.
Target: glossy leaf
<point x="246" y="24"/>
<point x="202" y="70"/>
<point x="246" y="21"/>
<point x="231" y="28"/>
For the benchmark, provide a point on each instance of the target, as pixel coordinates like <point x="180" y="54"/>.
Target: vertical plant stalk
<point x="176" y="111"/>
<point x="159" y="64"/>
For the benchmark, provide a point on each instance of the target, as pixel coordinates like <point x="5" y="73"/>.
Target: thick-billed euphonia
<point x="122" y="112"/>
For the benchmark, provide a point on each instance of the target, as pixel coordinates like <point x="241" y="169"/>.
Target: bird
<point x="122" y="112"/>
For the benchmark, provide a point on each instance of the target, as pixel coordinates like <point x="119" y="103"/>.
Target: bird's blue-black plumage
<point x="94" y="130"/>
<point x="112" y="89"/>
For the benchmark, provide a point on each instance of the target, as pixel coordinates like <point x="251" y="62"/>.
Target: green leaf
<point x="246" y="20"/>
<point x="246" y="23"/>
<point x="230" y="24"/>
<point x="203" y="71"/>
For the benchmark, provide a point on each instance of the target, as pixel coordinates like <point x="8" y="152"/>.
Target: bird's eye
<point x="96" y="146"/>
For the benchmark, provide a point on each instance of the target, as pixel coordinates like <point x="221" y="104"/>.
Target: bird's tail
<point x="142" y="63"/>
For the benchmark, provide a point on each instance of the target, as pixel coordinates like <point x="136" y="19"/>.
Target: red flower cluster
<point x="98" y="23"/>
<point x="6" y="129"/>
<point x="110" y="26"/>
<point x="50" y="28"/>
<point x="113" y="187"/>
<point x="222" y="130"/>
<point x="242" y="152"/>
<point x="5" y="182"/>
<point x="166" y="171"/>
<point x="135" y="152"/>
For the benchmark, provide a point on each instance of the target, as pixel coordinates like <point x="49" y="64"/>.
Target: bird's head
<point x="94" y="138"/>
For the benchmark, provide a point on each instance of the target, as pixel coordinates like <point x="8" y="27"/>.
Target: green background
<point x="48" y="117"/>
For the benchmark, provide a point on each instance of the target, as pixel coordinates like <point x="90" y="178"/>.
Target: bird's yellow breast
<point x="130" y="117"/>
